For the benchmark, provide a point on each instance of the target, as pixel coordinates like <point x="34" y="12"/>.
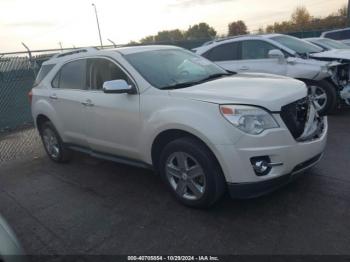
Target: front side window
<point x="170" y="68"/>
<point x="71" y="76"/>
<point x="103" y="70"/>
<point x="299" y="46"/>
<point x="256" y="49"/>
<point x="224" y="52"/>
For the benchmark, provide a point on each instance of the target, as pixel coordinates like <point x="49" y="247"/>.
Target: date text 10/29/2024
<point x="173" y="258"/>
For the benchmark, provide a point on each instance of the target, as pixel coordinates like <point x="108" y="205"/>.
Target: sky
<point x="42" y="24"/>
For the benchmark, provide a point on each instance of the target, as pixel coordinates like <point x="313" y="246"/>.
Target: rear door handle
<point x="53" y="96"/>
<point x="244" y="68"/>
<point x="87" y="102"/>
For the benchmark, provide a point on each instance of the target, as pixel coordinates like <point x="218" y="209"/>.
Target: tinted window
<point x="339" y="35"/>
<point x="224" y="52"/>
<point x="256" y="49"/>
<point x="44" y="70"/>
<point x="72" y="75"/>
<point x="102" y="70"/>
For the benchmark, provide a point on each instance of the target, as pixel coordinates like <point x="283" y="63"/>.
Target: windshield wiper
<point x="178" y="86"/>
<point x="188" y="84"/>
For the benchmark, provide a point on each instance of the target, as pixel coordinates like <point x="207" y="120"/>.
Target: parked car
<point x="285" y="55"/>
<point x="339" y="34"/>
<point x="10" y="249"/>
<point x="200" y="127"/>
<point x="327" y="44"/>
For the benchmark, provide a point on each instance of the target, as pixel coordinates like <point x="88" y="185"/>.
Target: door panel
<point x="66" y="96"/>
<point x="114" y="119"/>
<point x="114" y="123"/>
<point x="71" y="114"/>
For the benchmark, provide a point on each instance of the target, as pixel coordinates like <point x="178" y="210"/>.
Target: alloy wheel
<point x="318" y="96"/>
<point x="185" y="175"/>
<point x="51" y="143"/>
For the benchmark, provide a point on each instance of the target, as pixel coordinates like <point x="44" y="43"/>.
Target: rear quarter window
<point x="44" y="70"/>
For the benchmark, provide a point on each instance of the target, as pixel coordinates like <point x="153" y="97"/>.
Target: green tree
<point x="169" y="36"/>
<point x="147" y="40"/>
<point x="201" y="30"/>
<point x="237" y="28"/>
<point x="301" y="16"/>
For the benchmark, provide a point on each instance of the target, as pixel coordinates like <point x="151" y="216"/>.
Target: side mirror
<point x="277" y="54"/>
<point x="117" y="87"/>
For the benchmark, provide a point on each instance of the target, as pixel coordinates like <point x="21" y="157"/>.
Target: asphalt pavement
<point x="91" y="206"/>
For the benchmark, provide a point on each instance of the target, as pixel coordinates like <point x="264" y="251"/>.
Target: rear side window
<point x="224" y="52"/>
<point x="256" y="49"/>
<point x="44" y="70"/>
<point x="71" y="76"/>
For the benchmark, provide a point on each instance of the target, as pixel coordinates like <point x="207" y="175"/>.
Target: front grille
<point x="295" y="115"/>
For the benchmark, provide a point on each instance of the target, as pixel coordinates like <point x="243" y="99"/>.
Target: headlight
<point x="249" y="119"/>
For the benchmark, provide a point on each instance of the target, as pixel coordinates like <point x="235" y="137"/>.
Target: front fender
<point x="202" y="120"/>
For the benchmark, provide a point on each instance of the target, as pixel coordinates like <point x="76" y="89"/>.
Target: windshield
<point x="173" y="67"/>
<point x="331" y="44"/>
<point x="299" y="46"/>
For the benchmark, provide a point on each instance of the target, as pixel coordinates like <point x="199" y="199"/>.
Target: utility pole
<point x="348" y="20"/>
<point x="98" y="24"/>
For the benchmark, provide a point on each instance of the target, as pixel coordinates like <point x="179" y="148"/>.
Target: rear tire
<point x="53" y="144"/>
<point x="191" y="172"/>
<point x="324" y="95"/>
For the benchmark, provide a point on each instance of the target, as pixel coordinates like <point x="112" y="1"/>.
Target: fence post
<point x="32" y="63"/>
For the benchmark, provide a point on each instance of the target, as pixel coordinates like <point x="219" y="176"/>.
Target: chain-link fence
<point x="17" y="135"/>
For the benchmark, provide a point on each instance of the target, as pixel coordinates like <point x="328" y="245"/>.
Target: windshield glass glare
<point x="170" y="67"/>
<point x="333" y="44"/>
<point x="299" y="46"/>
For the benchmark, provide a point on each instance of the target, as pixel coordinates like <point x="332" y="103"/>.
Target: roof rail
<point x="76" y="51"/>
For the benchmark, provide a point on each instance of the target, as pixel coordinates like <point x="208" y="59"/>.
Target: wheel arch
<point x="40" y="119"/>
<point x="166" y="136"/>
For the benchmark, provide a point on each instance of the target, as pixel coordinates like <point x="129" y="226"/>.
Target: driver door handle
<point x="87" y="102"/>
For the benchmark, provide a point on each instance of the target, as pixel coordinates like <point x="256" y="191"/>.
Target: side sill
<point x="110" y="157"/>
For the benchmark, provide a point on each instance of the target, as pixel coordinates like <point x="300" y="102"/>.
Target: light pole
<point x="98" y="24"/>
<point x="348" y="18"/>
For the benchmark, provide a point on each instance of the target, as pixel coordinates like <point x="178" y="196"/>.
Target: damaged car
<point x="327" y="79"/>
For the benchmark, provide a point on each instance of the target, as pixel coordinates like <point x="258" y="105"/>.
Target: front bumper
<point x="278" y="144"/>
<point x="256" y="189"/>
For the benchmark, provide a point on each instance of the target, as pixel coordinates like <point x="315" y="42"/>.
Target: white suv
<point x="201" y="128"/>
<point x="328" y="80"/>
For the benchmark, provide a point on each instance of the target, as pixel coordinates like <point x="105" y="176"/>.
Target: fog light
<point x="261" y="165"/>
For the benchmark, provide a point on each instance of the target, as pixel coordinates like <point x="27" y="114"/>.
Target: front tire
<point x="53" y="144"/>
<point x="191" y="172"/>
<point x="324" y="95"/>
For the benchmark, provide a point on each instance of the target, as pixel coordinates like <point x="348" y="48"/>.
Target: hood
<point x="335" y="54"/>
<point x="268" y="91"/>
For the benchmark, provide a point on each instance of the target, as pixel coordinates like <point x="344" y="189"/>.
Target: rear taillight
<point x="30" y="97"/>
